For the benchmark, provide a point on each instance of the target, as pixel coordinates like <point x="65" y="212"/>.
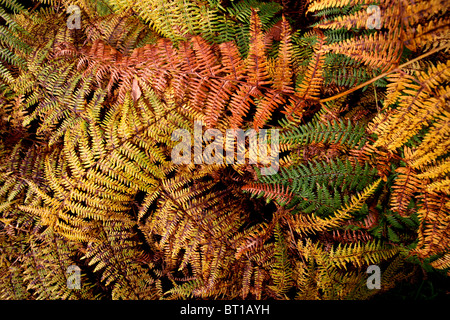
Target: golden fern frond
<point x="440" y="186"/>
<point x="195" y="222"/>
<point x="322" y="4"/>
<point x="361" y="254"/>
<point x="420" y="103"/>
<point x="434" y="227"/>
<point x="355" y="20"/>
<point x="96" y="166"/>
<point x="221" y="90"/>
<point x="172" y="19"/>
<point x="435" y="143"/>
<point x="282" y="270"/>
<point x="442" y="263"/>
<point x="432" y="172"/>
<point x="391" y="14"/>
<point x="337" y="273"/>
<point x="122" y="31"/>
<point x="398" y="81"/>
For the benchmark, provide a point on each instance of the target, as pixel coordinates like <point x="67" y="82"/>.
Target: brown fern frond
<point x="253" y="239"/>
<point x="405" y="186"/>
<point x="436" y="142"/>
<point x="279" y="193"/>
<point x="433" y="34"/>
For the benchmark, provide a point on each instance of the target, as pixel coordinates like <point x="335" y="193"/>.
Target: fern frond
<point x="419" y="104"/>
<point x="282" y="79"/>
<point x="442" y="263"/>
<point x="337" y="132"/>
<point x="281" y="272"/>
<point x="320" y="5"/>
<point x="405" y="186"/>
<point x="361" y="254"/>
<point x="89" y="119"/>
<point x="375" y="51"/>
<point x="270" y="192"/>
<point x="309" y="88"/>
<point x="432" y="172"/>
<point x="305" y="224"/>
<point x="115" y="255"/>
<point x="11" y="41"/>
<point x="433" y="216"/>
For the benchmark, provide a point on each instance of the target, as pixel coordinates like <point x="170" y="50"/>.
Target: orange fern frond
<point x="266" y="107"/>
<point x="309" y="89"/>
<point x="310" y="86"/>
<point x="379" y="50"/>
<point x="241" y="102"/>
<point x="282" y="79"/>
<point x="258" y="74"/>
<point x="283" y="74"/>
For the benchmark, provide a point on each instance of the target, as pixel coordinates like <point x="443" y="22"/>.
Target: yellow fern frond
<point x="305" y="224"/>
<point x="442" y="263"/>
<point x="433" y="230"/>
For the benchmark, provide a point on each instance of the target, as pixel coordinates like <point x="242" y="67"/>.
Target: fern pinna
<point x="87" y="178"/>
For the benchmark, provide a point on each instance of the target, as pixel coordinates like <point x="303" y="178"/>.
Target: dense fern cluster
<point x="86" y="123"/>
